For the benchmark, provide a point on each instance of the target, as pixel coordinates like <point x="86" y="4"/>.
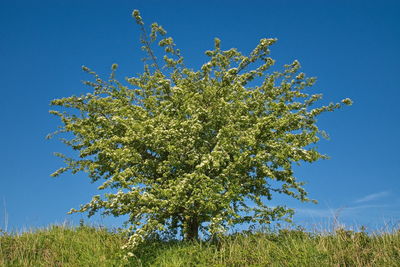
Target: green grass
<point x="61" y="246"/>
<point x="89" y="246"/>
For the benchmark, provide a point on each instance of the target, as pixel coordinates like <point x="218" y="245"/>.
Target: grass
<point x="61" y="246"/>
<point x="90" y="246"/>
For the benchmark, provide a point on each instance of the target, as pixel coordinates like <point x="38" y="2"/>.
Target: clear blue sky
<point x="351" y="46"/>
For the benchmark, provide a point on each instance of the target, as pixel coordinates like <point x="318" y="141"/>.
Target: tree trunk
<point x="191" y="228"/>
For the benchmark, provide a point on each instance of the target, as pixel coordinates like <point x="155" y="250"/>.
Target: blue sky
<point x="351" y="46"/>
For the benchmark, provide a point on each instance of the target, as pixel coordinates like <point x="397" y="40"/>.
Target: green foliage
<point x="88" y="246"/>
<point x="189" y="150"/>
<point x="277" y="248"/>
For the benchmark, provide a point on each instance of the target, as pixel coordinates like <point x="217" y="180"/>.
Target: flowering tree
<point x="189" y="150"/>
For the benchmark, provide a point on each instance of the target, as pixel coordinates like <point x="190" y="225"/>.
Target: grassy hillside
<point x="89" y="246"/>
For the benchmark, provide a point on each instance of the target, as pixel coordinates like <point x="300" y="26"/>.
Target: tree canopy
<point x="182" y="150"/>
